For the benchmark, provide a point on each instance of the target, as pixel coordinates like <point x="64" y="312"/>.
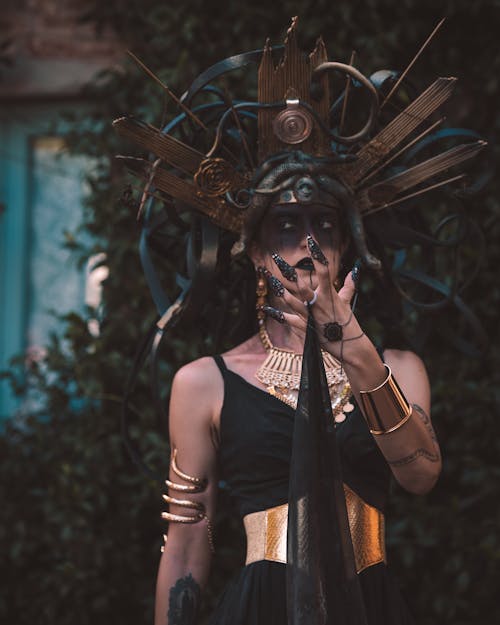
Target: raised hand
<point x="335" y="320"/>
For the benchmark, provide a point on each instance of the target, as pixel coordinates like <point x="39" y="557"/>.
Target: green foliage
<point x="81" y="530"/>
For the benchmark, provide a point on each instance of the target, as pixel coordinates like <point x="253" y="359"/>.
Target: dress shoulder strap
<point x="219" y="361"/>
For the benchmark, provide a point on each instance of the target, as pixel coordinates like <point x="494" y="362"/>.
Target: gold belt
<point x="266" y="532"/>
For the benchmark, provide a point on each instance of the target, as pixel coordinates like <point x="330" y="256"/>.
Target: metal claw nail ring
<point x="275" y="285"/>
<point x="274" y="313"/>
<point x="355" y="273"/>
<point x="315" y="250"/>
<point x="287" y="271"/>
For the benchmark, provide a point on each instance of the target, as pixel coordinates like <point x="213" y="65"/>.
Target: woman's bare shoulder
<point x="407" y="360"/>
<point x="201" y="379"/>
<point x="197" y="394"/>
<point x="197" y="375"/>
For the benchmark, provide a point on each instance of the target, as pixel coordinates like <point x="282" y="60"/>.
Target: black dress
<point x="256" y="431"/>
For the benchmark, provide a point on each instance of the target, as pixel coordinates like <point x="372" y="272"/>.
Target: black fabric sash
<point x="322" y="585"/>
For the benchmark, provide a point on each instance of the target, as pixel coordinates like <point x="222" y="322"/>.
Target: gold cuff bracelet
<point x="385" y="407"/>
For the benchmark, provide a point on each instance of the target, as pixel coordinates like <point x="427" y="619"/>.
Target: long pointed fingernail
<point x="274" y="313"/>
<point x="275" y="285"/>
<point x="356" y="272"/>
<point x="315" y="250"/>
<point x="287" y="271"/>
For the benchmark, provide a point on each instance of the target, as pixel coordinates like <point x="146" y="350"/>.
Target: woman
<point x="411" y="451"/>
<point x="304" y="421"/>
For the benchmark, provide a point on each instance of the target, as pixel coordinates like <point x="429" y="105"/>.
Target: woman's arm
<point x="185" y="562"/>
<point x="412" y="450"/>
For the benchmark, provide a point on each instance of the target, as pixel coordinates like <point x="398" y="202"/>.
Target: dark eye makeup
<point x="286" y="225"/>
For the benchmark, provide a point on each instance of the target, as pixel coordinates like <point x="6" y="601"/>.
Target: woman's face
<point x="284" y="231"/>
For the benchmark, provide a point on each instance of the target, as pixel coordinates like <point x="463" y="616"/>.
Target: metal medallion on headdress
<point x="294" y="124"/>
<point x="214" y="177"/>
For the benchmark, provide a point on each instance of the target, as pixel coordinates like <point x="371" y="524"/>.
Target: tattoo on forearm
<point x="431" y="456"/>
<point x="424" y="417"/>
<point x="418" y="453"/>
<point x="183" y="601"/>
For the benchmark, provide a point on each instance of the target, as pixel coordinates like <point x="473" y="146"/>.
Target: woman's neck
<point x="284" y="336"/>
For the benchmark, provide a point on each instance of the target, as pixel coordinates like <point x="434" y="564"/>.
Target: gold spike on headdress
<point x="210" y="178"/>
<point x="385" y="191"/>
<point x="167" y="148"/>
<point x="377" y="149"/>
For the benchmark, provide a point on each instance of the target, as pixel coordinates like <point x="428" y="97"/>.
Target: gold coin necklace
<point x="281" y="370"/>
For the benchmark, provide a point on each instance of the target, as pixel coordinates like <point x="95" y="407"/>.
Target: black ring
<point x="332" y="331"/>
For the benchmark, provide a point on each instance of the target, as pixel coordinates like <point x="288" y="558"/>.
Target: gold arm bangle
<point x="195" y="485"/>
<point x="183" y="488"/>
<point x="189" y="520"/>
<point x="200" y="483"/>
<point x="184" y="503"/>
<point x="385" y="407"/>
<point x="181" y="518"/>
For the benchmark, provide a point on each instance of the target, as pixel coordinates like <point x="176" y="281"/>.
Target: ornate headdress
<point x="234" y="157"/>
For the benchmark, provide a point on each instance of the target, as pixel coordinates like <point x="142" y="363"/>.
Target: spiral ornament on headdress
<point x="293" y="125"/>
<point x="214" y="177"/>
<point x="240" y="200"/>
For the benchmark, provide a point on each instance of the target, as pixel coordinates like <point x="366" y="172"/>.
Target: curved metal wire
<point x="368" y="86"/>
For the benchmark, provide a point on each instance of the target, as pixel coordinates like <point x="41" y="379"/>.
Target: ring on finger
<point x="333" y="331"/>
<point x="312" y="301"/>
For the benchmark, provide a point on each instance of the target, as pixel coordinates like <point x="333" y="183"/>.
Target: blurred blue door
<point x="41" y="194"/>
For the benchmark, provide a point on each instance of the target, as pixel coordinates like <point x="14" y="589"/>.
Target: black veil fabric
<point x="322" y="584"/>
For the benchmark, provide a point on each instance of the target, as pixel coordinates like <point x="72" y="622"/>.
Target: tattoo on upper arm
<point x="183" y="601"/>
